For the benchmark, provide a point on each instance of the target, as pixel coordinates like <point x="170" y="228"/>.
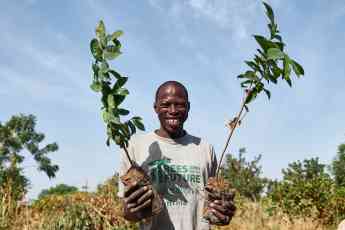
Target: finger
<point x="145" y="197"/>
<point x="142" y="206"/>
<point x="130" y="189"/>
<point x="136" y="194"/>
<point x="219" y="215"/>
<point x="219" y="208"/>
<point x="228" y="205"/>
<point x="214" y="196"/>
<point x="131" y="205"/>
<point x="222" y="218"/>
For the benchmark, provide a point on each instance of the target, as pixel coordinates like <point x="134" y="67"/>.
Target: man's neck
<point x="163" y="133"/>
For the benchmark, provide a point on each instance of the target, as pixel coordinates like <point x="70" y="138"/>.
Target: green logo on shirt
<point x="175" y="181"/>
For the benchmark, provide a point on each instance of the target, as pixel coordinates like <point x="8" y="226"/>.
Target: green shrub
<point x="308" y="191"/>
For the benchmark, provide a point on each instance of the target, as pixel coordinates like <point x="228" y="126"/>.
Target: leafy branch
<point x="269" y="65"/>
<point x="110" y="84"/>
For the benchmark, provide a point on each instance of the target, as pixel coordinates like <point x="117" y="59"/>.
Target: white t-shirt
<point x="179" y="169"/>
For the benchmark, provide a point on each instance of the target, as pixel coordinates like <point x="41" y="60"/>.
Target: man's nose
<point x="172" y="109"/>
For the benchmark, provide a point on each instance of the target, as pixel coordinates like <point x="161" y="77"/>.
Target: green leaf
<point x="96" y="49"/>
<point x="100" y="30"/>
<point x="115" y="74"/>
<point x="122" y="91"/>
<point x="251" y="95"/>
<point x="137" y="121"/>
<point x="268" y="93"/>
<point x="114" y="119"/>
<point x="118" y="140"/>
<point x="253" y="65"/>
<point x="104" y="67"/>
<point x="96" y="86"/>
<point x="111" y="52"/>
<point x="251" y="75"/>
<point x="105" y="116"/>
<point x="246" y="108"/>
<point x="281" y="45"/>
<point x="95" y="69"/>
<point x="278" y="37"/>
<point x="297" y="68"/>
<point x="132" y="127"/>
<point x="269" y="12"/>
<point x="274" y="54"/>
<point x="117" y="43"/>
<point x="119" y="99"/>
<point x="240" y="76"/>
<point x="288" y="80"/>
<point x="125" y="130"/>
<point x="287" y="70"/>
<point x="273" y="78"/>
<point x="245" y="83"/>
<point x="111" y="101"/>
<point x="103" y="42"/>
<point x="259" y="87"/>
<point x="264" y="43"/>
<point x="276" y="73"/>
<point x="116" y="34"/>
<point x="121" y="81"/>
<point x="123" y="112"/>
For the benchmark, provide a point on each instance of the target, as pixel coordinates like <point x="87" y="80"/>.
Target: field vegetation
<point x="311" y="195"/>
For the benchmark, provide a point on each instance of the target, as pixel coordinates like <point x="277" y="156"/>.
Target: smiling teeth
<point x="172" y="121"/>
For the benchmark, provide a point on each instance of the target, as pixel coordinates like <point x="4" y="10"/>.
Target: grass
<point x="101" y="210"/>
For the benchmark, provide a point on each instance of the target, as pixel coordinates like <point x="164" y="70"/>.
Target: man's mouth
<point x="173" y="122"/>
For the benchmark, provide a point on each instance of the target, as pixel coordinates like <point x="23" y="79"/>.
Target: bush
<point x="82" y="210"/>
<point x="245" y="176"/>
<point x="308" y="191"/>
<point x="60" y="189"/>
<point x="338" y="166"/>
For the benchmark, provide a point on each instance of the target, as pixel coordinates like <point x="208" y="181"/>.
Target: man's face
<point x="172" y="108"/>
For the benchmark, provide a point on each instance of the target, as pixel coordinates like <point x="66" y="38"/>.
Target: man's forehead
<point x="172" y="90"/>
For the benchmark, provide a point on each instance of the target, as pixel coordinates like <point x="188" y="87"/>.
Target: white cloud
<point x="228" y="14"/>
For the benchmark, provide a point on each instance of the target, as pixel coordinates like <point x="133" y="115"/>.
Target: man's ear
<point x="188" y="106"/>
<point x="155" y="107"/>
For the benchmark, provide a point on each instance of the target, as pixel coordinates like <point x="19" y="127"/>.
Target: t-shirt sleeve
<point x="124" y="165"/>
<point x="212" y="162"/>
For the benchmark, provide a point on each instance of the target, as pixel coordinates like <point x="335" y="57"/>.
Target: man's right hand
<point x="136" y="199"/>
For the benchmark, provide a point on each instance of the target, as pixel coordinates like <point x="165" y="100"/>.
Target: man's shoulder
<point x="202" y="142"/>
<point x="139" y="137"/>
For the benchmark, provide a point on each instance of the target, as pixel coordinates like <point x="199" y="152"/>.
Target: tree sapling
<point x="269" y="65"/>
<point x="110" y="84"/>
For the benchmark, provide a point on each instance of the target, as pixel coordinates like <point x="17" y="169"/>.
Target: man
<point x="179" y="165"/>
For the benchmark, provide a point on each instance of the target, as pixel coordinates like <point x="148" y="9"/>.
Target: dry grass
<point x="254" y="216"/>
<point x="102" y="211"/>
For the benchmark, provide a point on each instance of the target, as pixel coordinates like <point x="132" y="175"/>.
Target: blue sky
<point x="45" y="71"/>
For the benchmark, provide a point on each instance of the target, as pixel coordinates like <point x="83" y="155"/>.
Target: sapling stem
<point x="128" y="157"/>
<point x="230" y="135"/>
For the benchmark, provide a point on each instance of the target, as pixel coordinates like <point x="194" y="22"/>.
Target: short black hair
<point x="176" y="83"/>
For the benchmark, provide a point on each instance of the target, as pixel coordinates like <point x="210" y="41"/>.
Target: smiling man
<point x="179" y="165"/>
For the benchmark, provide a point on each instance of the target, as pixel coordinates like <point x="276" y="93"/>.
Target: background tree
<point x="60" y="189"/>
<point x="338" y="166"/>
<point x="306" y="189"/>
<point x="245" y="176"/>
<point x="16" y="135"/>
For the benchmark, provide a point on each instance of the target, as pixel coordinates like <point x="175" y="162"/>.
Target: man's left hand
<point x="223" y="210"/>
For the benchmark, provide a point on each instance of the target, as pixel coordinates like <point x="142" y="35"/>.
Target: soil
<point x="136" y="175"/>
